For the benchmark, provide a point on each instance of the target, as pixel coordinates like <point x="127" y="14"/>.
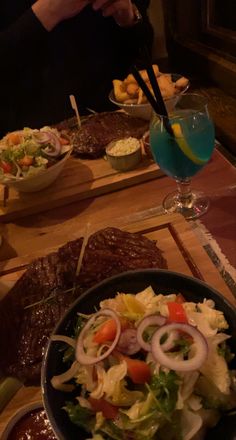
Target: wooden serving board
<point x="181" y="249"/>
<point x="79" y="180"/>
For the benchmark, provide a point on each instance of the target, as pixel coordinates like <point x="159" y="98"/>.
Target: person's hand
<point x="52" y="12"/>
<point x="121" y="10"/>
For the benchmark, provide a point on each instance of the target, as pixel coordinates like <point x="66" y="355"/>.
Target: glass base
<point x="194" y="206"/>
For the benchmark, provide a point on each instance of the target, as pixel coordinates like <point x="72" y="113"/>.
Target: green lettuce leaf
<point x="80" y="416"/>
<point x="165" y="388"/>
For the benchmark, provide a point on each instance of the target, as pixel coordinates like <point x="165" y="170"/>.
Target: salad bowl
<point x="32" y="159"/>
<point x="162" y="282"/>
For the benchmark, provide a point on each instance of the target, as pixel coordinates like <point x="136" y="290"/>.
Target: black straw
<point x="154" y="83"/>
<point x="145" y="89"/>
<point x="157" y="103"/>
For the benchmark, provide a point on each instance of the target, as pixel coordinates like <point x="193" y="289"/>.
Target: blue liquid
<point x="198" y="132"/>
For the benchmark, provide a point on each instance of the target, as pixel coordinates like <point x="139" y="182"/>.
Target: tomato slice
<point x="101" y="405"/>
<point x="138" y="371"/>
<point x="6" y="166"/>
<point x="176" y="313"/>
<point x="107" y="332"/>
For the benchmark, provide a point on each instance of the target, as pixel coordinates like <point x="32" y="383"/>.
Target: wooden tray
<point x="181" y="249"/>
<point x="80" y="179"/>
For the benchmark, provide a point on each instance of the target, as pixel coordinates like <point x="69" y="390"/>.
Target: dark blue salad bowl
<point x="162" y="281"/>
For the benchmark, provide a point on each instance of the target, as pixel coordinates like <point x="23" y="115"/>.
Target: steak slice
<point x="44" y="292"/>
<point x="100" y="129"/>
<point x="111" y="251"/>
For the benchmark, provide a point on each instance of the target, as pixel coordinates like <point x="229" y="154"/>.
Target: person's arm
<point x="20" y="40"/>
<point x="51" y="12"/>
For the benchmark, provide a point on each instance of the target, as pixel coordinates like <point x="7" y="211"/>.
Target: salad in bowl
<point x="147" y="366"/>
<point x="28" y="153"/>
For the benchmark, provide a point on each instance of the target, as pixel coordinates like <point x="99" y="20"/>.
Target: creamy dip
<point x="124" y="146"/>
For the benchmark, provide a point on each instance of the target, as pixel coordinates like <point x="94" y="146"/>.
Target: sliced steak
<point x="32" y="308"/>
<point x="100" y="129"/>
<point x="33" y="315"/>
<point x="112" y="251"/>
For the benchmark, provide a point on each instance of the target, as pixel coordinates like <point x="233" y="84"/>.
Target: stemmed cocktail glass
<point x="182" y="145"/>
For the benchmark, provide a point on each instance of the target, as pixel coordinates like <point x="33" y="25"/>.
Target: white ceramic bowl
<point x="144" y="111"/>
<point x="39" y="181"/>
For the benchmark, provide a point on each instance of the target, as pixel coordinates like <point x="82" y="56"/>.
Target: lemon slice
<point x="183" y="145"/>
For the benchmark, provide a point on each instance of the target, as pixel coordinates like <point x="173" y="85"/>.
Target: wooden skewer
<point x="75" y="108"/>
<point x="81" y="256"/>
<point x="84" y="244"/>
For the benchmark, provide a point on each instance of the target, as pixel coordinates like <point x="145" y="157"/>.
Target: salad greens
<point x="28" y="152"/>
<point x="130" y="394"/>
<point x="165" y="387"/>
<point x="82" y="417"/>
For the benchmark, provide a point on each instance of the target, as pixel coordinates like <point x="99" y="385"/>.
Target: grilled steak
<point x="44" y="292"/>
<point x="100" y="129"/>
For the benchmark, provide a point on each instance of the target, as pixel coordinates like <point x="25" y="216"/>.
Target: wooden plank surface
<point x="80" y="179"/>
<point x="174" y="237"/>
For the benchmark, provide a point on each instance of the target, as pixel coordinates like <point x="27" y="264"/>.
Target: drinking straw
<point x="145" y="89"/>
<point x="158" y="106"/>
<point x="75" y="108"/>
<point x="179" y="140"/>
<point x="154" y="83"/>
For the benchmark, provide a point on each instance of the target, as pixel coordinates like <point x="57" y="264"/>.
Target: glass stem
<point x="184" y="192"/>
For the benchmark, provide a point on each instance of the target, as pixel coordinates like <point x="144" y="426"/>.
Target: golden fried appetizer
<point x="129" y="92"/>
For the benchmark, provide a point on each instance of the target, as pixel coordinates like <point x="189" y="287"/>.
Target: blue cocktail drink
<point x="167" y="152"/>
<point x="183" y="149"/>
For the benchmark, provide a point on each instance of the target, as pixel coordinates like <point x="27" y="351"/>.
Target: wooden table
<point x="34" y="235"/>
<point x="217" y="180"/>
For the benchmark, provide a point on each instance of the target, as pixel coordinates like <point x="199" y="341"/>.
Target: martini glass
<point x="184" y="152"/>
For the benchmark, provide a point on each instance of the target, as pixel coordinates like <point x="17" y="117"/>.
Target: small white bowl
<point x="124" y="162"/>
<point x="39" y="181"/>
<point x="18" y="416"/>
<point x="144" y="111"/>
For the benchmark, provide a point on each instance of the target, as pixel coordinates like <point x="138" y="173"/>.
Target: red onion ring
<point x="147" y="322"/>
<point x="169" y="343"/>
<point x="80" y="354"/>
<point x="128" y="343"/>
<point x="174" y="364"/>
<point x="55" y="142"/>
<point x="42" y="137"/>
